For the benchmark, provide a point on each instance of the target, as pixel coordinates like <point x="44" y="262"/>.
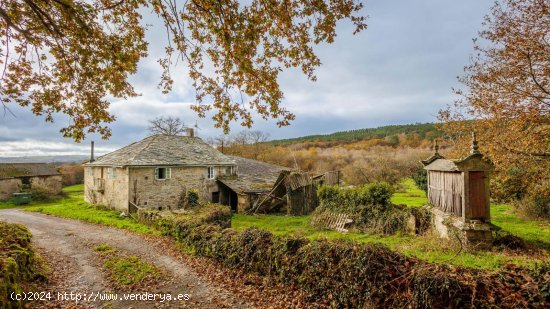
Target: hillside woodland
<point x="381" y="154"/>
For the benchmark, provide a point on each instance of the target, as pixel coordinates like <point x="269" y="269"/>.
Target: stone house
<point x="156" y="172"/>
<point x="18" y="177"/>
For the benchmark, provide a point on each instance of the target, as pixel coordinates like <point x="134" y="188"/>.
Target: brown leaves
<point x="508" y="85"/>
<point x="246" y="46"/>
<point x="70" y="56"/>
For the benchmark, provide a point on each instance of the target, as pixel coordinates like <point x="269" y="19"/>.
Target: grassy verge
<point x="126" y="270"/>
<point x="73" y="206"/>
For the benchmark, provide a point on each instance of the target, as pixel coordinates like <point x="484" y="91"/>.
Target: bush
<point x="536" y="204"/>
<point x="214" y="214"/>
<point x="192" y="199"/>
<point x="350" y="275"/>
<point x="368" y="206"/>
<point x="42" y="194"/>
<point x="420" y="177"/>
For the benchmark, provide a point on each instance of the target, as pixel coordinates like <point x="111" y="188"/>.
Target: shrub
<point x="369" y="206"/>
<point x="350" y="275"/>
<point x="537" y="203"/>
<point x="72" y="174"/>
<point x="42" y="194"/>
<point x="377" y="193"/>
<point x="192" y="199"/>
<point x="173" y="224"/>
<point x="420" y="177"/>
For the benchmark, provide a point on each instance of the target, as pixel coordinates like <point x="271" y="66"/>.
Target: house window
<point x="111" y="173"/>
<point x="162" y="173"/>
<point x="230" y="170"/>
<point x="211" y="173"/>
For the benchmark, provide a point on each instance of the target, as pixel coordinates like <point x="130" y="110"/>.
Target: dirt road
<point x="68" y="247"/>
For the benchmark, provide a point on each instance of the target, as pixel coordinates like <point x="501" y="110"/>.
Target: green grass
<point x="428" y="248"/>
<point x="125" y="270"/>
<point x="411" y="195"/>
<point x="104" y="249"/>
<point x="130" y="270"/>
<point x="534" y="232"/>
<point x="73" y="206"/>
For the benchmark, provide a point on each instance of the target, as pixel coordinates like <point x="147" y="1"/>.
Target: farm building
<point x="156" y="172"/>
<point x="260" y="187"/>
<point x="253" y="180"/>
<point x="460" y="191"/>
<point x="17" y="177"/>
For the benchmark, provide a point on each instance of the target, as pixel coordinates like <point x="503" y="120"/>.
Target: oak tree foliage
<point x="74" y="56"/>
<point x="506" y="98"/>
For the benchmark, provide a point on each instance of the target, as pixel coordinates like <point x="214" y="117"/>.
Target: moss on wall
<point x="18" y="263"/>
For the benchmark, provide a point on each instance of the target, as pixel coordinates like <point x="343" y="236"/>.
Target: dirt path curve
<point x="68" y="246"/>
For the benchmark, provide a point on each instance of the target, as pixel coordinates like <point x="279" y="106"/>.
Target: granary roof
<point x="473" y="162"/>
<point x="252" y="175"/>
<point x="13" y="170"/>
<point x="164" y="150"/>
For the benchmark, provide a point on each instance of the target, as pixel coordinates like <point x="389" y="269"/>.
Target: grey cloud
<point x="399" y="70"/>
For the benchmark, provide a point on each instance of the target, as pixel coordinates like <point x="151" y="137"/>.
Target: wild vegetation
<point x="126" y="270"/>
<point x="285" y="240"/>
<point x="370" y="209"/>
<point x="350" y="274"/>
<point x="19" y="265"/>
<point x="72" y="173"/>
<point x="506" y="100"/>
<point x="385" y="154"/>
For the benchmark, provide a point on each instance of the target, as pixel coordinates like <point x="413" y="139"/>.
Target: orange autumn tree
<point x="507" y="99"/>
<point x="71" y="56"/>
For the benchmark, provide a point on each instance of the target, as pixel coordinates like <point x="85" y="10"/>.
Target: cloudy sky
<point x="400" y="70"/>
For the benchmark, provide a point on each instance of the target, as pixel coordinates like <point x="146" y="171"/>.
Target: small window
<point x="111" y="173"/>
<point x="162" y="173"/>
<point x="211" y="174"/>
<point x="229" y="170"/>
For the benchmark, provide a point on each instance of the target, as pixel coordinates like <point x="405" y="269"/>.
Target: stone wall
<point x="9" y="186"/>
<point x="138" y="185"/>
<point x="115" y="190"/>
<point x="148" y="192"/>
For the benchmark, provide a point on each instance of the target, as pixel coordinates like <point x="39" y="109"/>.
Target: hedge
<point x="18" y="263"/>
<point x="351" y="275"/>
<point x="370" y="208"/>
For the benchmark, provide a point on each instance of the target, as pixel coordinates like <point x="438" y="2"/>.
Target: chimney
<point x="92" y="159"/>
<point x="190" y="132"/>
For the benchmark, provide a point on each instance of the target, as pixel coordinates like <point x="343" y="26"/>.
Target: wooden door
<point x="477" y="197"/>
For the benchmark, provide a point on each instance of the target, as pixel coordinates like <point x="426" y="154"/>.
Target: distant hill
<point x="423" y="131"/>
<point x="45" y="159"/>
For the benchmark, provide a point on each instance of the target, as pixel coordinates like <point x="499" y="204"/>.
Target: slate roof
<point x="164" y="150"/>
<point x="14" y="170"/>
<point x="252" y="175"/>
